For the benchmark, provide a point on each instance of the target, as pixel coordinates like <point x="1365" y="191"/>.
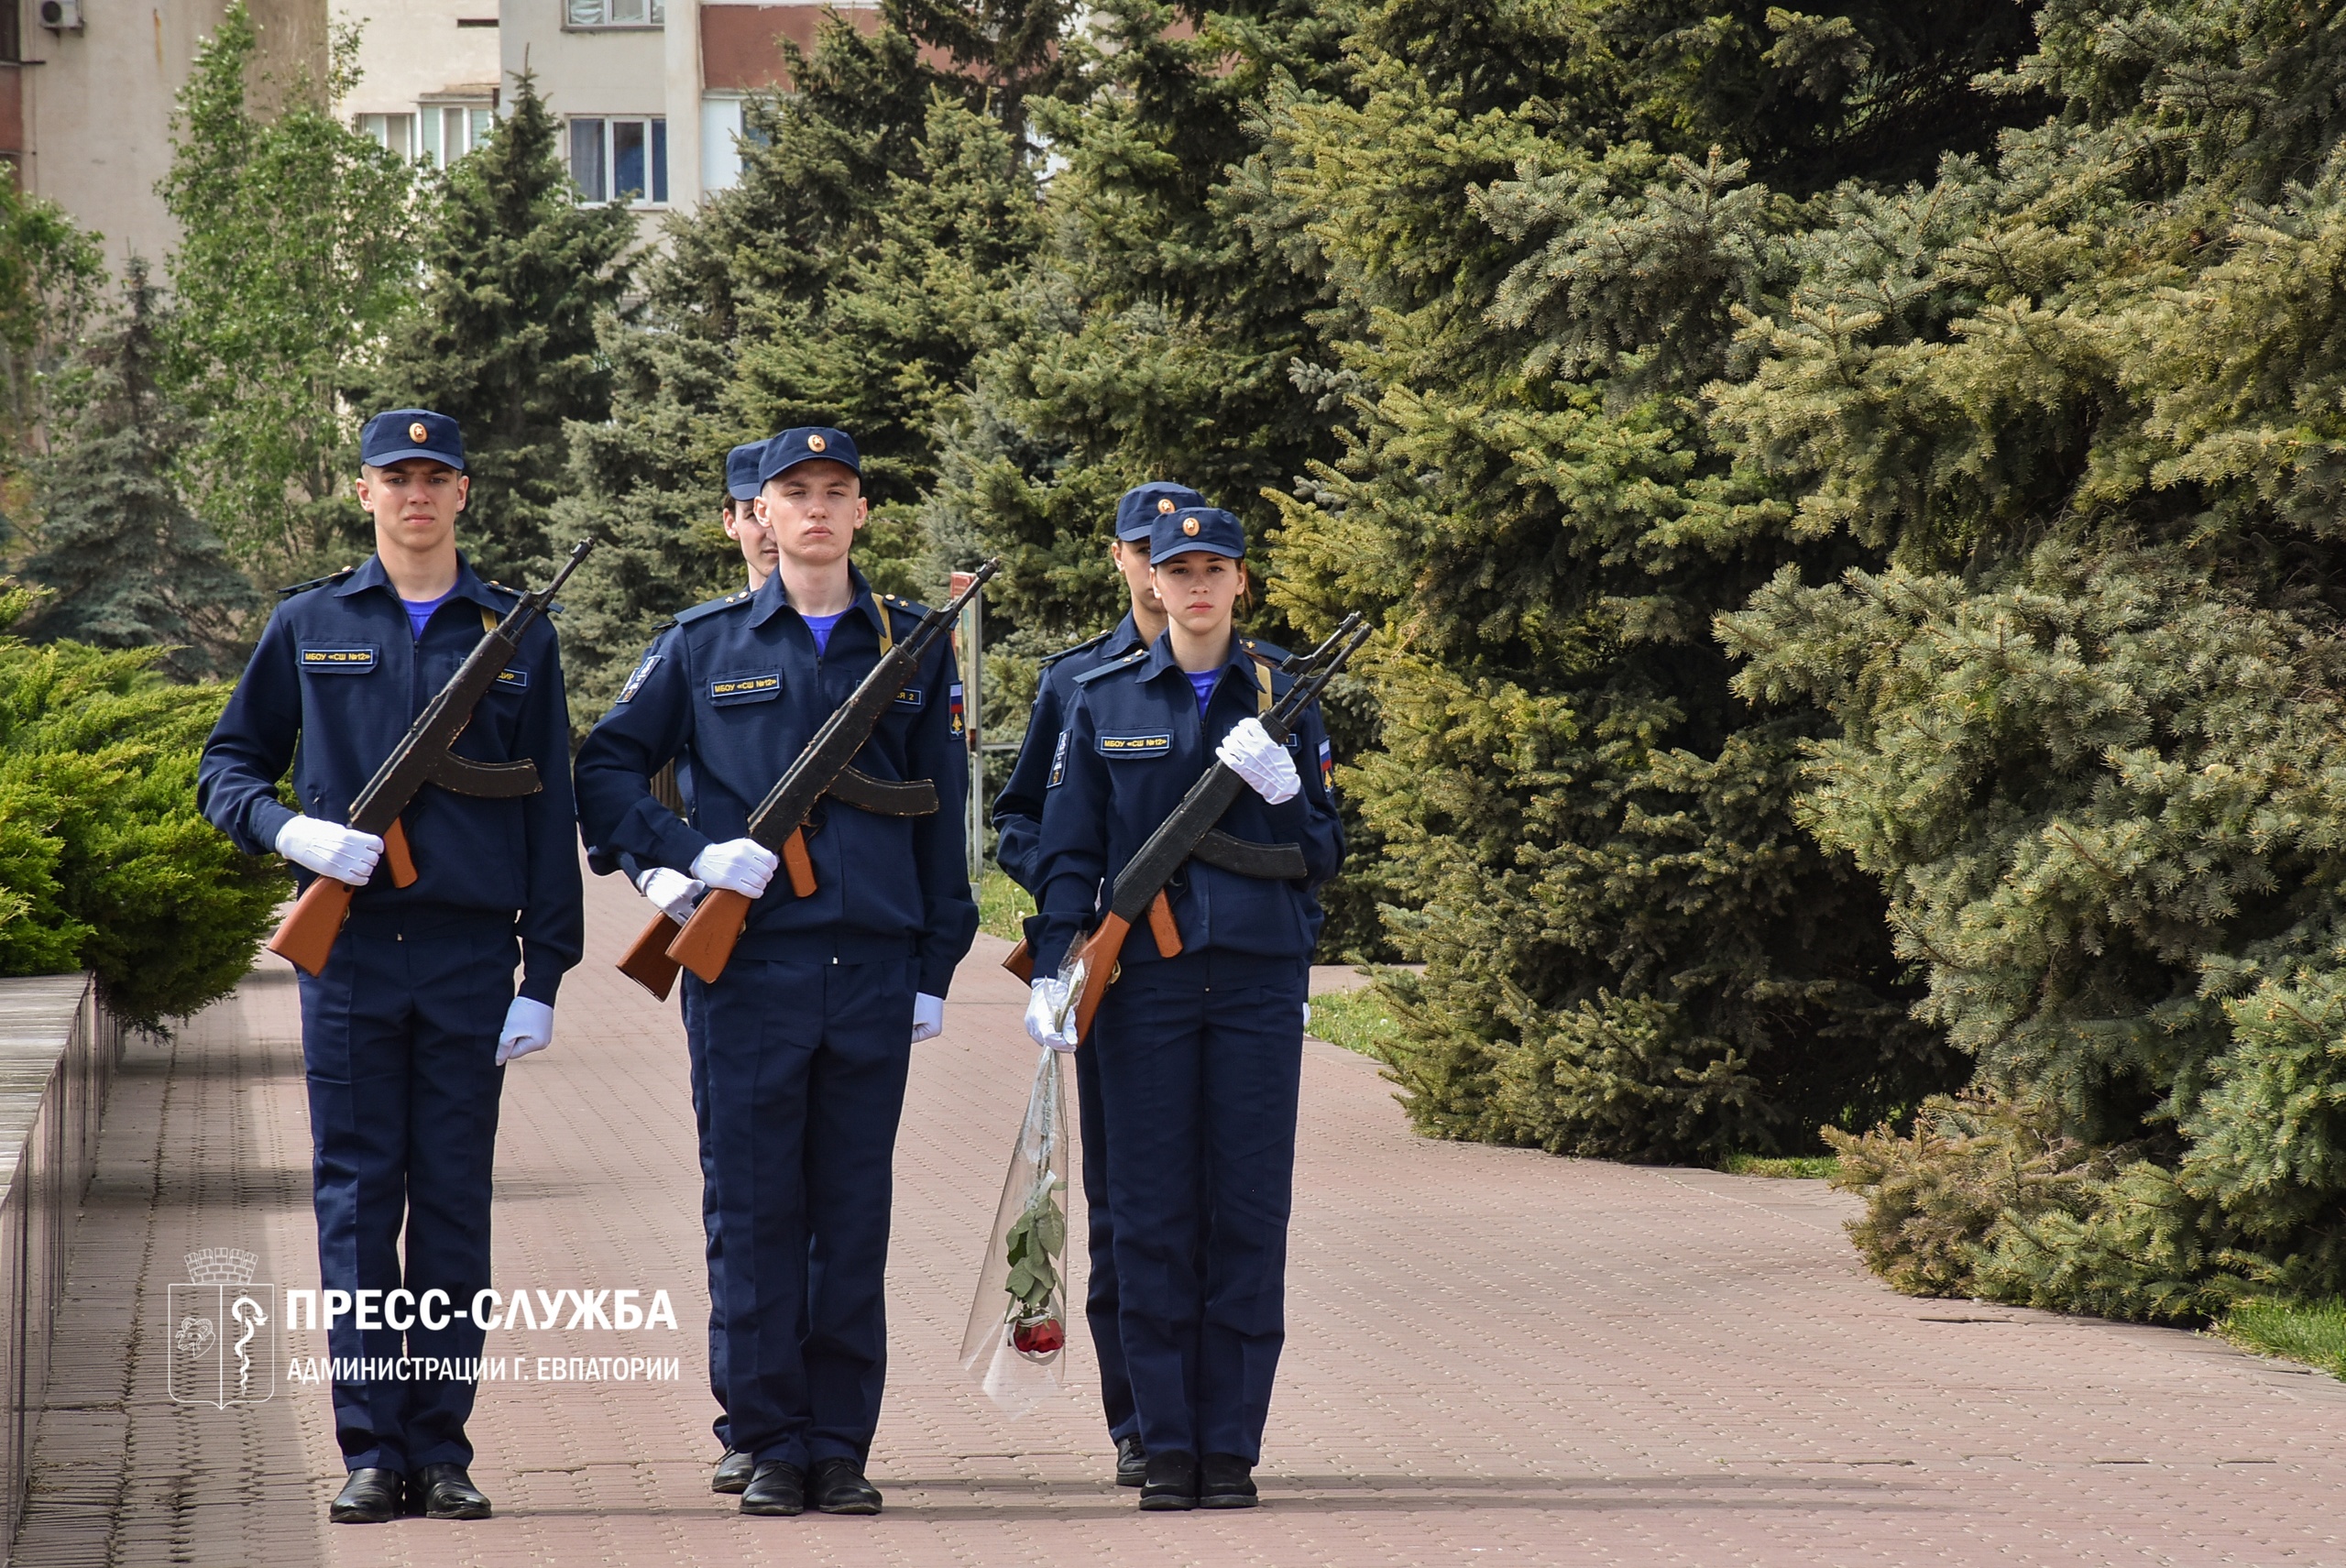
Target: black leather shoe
<point x="1132" y="1462"/>
<point x="445" y="1491"/>
<point x="733" y="1472"/>
<point x="1171" y="1482"/>
<point x="840" y="1488"/>
<point x="776" y="1486"/>
<point x="369" y="1497"/>
<point x="1226" y="1481"/>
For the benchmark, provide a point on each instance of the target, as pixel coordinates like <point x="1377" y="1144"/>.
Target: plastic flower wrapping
<point x="1016" y="1340"/>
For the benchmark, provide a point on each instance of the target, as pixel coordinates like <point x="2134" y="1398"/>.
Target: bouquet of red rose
<point x="1017" y="1325"/>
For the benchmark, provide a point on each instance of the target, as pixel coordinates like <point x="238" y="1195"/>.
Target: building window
<point x="452" y="130"/>
<point x="623" y="160"/>
<point x="394" y="132"/>
<point x="615" y="13"/>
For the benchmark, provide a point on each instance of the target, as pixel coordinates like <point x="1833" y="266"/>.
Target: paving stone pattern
<point x="1494" y="1356"/>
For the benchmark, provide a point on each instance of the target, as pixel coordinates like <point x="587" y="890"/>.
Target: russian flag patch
<point x="1327" y="763"/>
<point x="953" y="693"/>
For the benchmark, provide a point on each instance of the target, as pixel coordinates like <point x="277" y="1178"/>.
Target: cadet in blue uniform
<point x="1018" y="820"/>
<point x="1200" y="1055"/>
<point x="808" y="1033"/>
<point x="675" y="894"/>
<point x="406" y="1032"/>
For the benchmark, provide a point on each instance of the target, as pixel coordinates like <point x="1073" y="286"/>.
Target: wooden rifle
<point x="422" y="756"/>
<point x="704" y="944"/>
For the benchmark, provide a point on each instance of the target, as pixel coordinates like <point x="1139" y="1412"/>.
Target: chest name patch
<point x="745" y="688"/>
<point x="1136" y="745"/>
<point x="909" y="697"/>
<point x="512" y="679"/>
<point x="338" y="661"/>
<point x="639" y="676"/>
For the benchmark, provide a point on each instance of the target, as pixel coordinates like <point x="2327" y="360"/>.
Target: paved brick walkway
<point x="1495" y="1357"/>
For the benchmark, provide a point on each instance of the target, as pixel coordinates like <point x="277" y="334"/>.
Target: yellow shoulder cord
<point x="487" y="619"/>
<point x="887" y="627"/>
<point x="1263" y="681"/>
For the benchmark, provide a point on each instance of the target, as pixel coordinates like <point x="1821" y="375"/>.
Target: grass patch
<point x="1804" y="1167"/>
<point x="1359" y="1021"/>
<point x="1001" y="905"/>
<point x="2310" y="1332"/>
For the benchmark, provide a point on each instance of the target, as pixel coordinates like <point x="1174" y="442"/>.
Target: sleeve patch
<point x="1327" y="763"/>
<point x="1156" y="745"/>
<point x="1059" y="762"/>
<point x="642" y="672"/>
<point x="953" y="693"/>
<point x="759" y="685"/>
<point x="338" y="661"/>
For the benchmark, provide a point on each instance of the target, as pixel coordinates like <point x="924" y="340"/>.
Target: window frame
<point x="655" y="16"/>
<point x="656" y="173"/>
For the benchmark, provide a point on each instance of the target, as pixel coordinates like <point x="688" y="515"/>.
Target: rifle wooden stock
<point x="647" y="962"/>
<point x="395" y="850"/>
<point x="706" y="944"/>
<point x="1099" y="951"/>
<point x="306" y="934"/>
<point x="1021" y="963"/>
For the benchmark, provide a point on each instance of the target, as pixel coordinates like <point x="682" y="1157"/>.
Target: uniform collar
<point x="1122" y="640"/>
<point x="771" y="598"/>
<point x="468" y="583"/>
<point x="1160" y="659"/>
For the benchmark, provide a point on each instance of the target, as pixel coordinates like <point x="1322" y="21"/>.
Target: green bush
<point x="105" y="863"/>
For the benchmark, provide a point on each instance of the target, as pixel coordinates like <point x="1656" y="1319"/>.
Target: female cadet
<point x="1201" y="1053"/>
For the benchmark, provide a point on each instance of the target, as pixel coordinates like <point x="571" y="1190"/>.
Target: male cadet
<point x="406" y="1032"/>
<point x="807" y="1033"/>
<point x="676" y="895"/>
<point x="1017" y="820"/>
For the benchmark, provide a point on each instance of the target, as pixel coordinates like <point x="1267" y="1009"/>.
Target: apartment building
<point x="87" y="88"/>
<point x="429" y="84"/>
<point x="650" y="91"/>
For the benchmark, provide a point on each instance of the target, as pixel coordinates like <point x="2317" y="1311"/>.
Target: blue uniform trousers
<point x="1199" y="1067"/>
<point x="697" y="1052"/>
<point x="806" y="1059"/>
<point x="1101" y="1304"/>
<point x="399" y="1037"/>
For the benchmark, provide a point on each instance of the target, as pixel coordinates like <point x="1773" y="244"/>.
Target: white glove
<point x="1249" y="751"/>
<point x="672" y="893"/>
<point x="1043" y="1005"/>
<point x="738" y="865"/>
<point x="330" y="849"/>
<point x="928" y="1016"/>
<point x="529" y="1026"/>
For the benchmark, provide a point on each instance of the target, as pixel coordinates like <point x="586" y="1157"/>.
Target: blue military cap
<point x="805" y="443"/>
<point x="741" y="470"/>
<point x="1184" y="528"/>
<point x="399" y="433"/>
<point x="1139" y="508"/>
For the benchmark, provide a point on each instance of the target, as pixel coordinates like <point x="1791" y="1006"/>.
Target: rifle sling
<point x="1243" y="856"/>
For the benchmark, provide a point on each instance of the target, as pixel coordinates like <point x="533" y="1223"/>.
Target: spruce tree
<point x="129" y="562"/>
<point x="2083" y="395"/>
<point x="502" y="336"/>
<point x="1542" y="225"/>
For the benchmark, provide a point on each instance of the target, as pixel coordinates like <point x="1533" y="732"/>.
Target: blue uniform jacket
<point x="1133" y="745"/>
<point x="334" y="685"/>
<point x="1018" y="809"/>
<point x="736" y="690"/>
